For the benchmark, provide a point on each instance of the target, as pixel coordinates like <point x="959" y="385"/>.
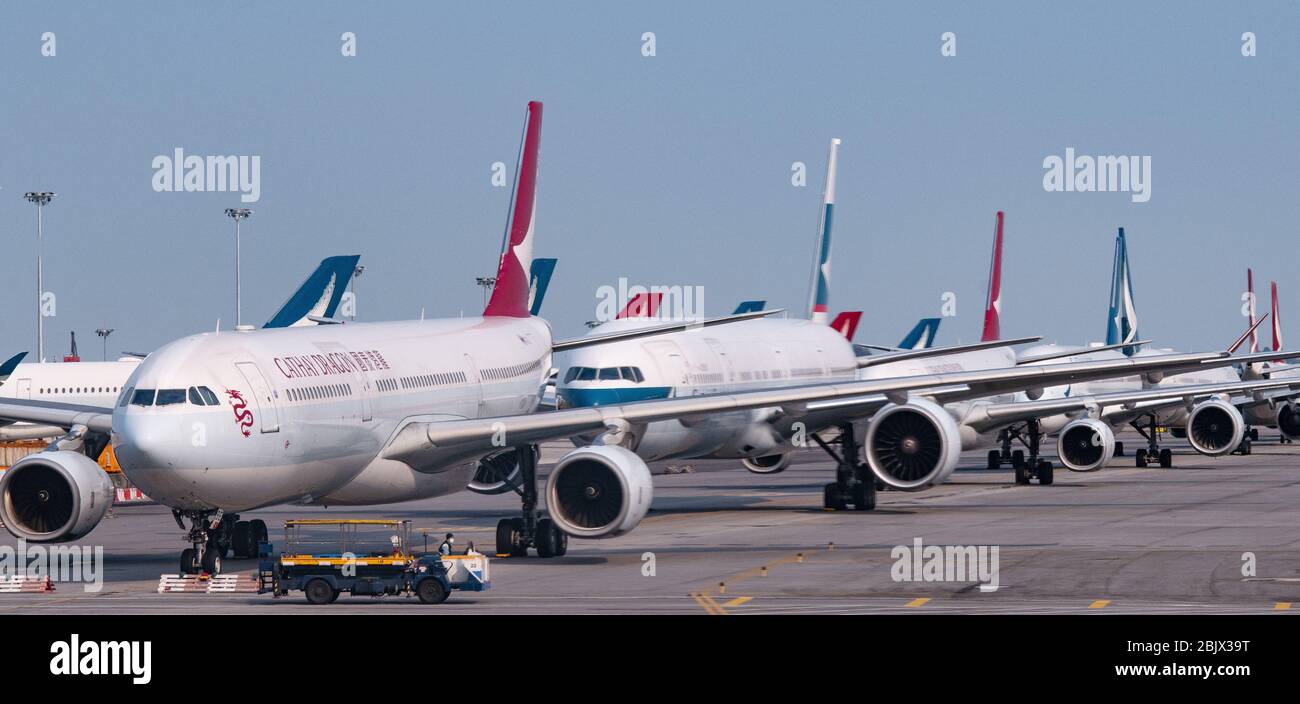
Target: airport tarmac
<point x="1123" y="540"/>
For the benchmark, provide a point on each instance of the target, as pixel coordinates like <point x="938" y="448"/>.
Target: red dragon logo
<point x="243" y="416"/>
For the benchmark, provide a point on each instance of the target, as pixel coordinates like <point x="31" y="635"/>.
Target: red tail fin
<point x="1277" y="323"/>
<point x="847" y="323"/>
<point x="1250" y="305"/>
<point x="993" y="310"/>
<point x="510" y="294"/>
<point x="642" y="305"/>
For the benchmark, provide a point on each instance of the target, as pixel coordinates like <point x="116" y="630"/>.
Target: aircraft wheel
<point x="1045" y="471"/>
<point x="1244" y="447"/>
<point x="1119" y="449"/>
<point x="212" y="561"/>
<point x="1018" y="458"/>
<point x="548" y="538"/>
<point x="831" y="498"/>
<point x="1140" y="458"/>
<point x="863" y="500"/>
<point x="510" y="537"/>
<point x="1022" y="473"/>
<point x="1166" y="458"/>
<point x="242" y="540"/>
<point x="995" y="459"/>
<point x="190" y="561"/>
<point x="1254" y="434"/>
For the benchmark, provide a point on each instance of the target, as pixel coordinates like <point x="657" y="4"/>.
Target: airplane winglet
<point x="993" y="309"/>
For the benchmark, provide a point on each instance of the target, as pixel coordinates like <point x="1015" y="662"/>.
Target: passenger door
<point x="24" y="389"/>
<point x="262" y="397"/>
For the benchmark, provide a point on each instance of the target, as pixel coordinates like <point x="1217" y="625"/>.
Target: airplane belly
<point x="389" y="481"/>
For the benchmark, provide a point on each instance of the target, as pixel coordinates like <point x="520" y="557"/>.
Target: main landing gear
<point x="516" y="535"/>
<point x="854" y="483"/>
<point x="1026" y="467"/>
<point x="1153" y="452"/>
<point x="215" y="535"/>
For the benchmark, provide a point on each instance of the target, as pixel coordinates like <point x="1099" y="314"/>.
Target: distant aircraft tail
<point x="538" y="280"/>
<point x="819" y="292"/>
<point x="510" y="293"/>
<point x="319" y="295"/>
<point x="847" y="323"/>
<point x="922" y="335"/>
<point x="993" y="306"/>
<point x="1121" y="323"/>
<point x="749" y="307"/>
<point x="642" y="305"/>
<point x="10" y="365"/>
<point x="1250" y="305"/>
<point x="1277" y="320"/>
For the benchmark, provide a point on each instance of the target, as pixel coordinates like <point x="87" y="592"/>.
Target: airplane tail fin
<point x="922" y="335"/>
<point x="1121" y="323"/>
<point x="1277" y="321"/>
<point x="538" y="280"/>
<point x="749" y="307"/>
<point x="642" y="305"/>
<point x="510" y="293"/>
<point x="10" y="365"/>
<point x="319" y="295"/>
<point x="993" y="308"/>
<point x="819" y="293"/>
<point x="1250" y="306"/>
<point x="847" y="323"/>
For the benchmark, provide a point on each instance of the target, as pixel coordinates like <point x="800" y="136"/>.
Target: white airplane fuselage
<point x="83" y="383"/>
<point x="303" y="413"/>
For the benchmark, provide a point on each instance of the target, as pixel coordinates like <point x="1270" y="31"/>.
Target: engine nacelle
<point x="54" y="496"/>
<point x="912" y="445"/>
<point x="600" y="491"/>
<point x="1215" y="427"/>
<point x="768" y="464"/>
<point x="496" y="474"/>
<point x="1288" y="420"/>
<point x="1085" y="445"/>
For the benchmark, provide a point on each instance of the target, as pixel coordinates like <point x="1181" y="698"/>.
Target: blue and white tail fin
<point x="1122" y="323"/>
<point x="819" y="292"/>
<point x="319" y="295"/>
<point x="10" y="365"/>
<point x="749" y="307"/>
<point x="922" y="335"/>
<point x="538" y="280"/>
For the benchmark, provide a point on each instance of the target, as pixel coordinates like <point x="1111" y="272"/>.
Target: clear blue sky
<point x="668" y="170"/>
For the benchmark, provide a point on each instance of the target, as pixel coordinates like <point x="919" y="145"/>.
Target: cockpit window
<point x="586" y="374"/>
<point x="208" y="396"/>
<point x="142" y="397"/>
<point x="195" y="398"/>
<point x="571" y="374"/>
<point x="126" y="396"/>
<point x="168" y="397"/>
<point x="632" y="374"/>
<point x="609" y="373"/>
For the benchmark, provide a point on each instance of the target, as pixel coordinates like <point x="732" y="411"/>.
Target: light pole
<point x="103" y="334"/>
<point x="487" y="282"/>
<point x="356" y="274"/>
<point x="238" y="214"/>
<point x="41" y="199"/>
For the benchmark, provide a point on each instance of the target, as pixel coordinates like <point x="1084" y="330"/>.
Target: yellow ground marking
<point x="918" y="602"/>
<point x="1099" y="604"/>
<point x="1282" y="605"/>
<point x="738" y="601"/>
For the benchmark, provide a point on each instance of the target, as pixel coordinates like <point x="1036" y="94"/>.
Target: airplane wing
<point x="1077" y="351"/>
<point x="899" y="355"/>
<point x="1113" y="406"/>
<point x="61" y="415"/>
<point x="426" y="445"/>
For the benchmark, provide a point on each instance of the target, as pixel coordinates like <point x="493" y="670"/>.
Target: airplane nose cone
<point x="146" y="446"/>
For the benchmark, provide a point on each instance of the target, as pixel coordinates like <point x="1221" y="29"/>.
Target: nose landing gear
<point x="1153" y="453"/>
<point x="213" y="536"/>
<point x="1025" y="467"/>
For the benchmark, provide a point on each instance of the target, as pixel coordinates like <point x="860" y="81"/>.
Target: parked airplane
<point x="100" y="383"/>
<point x="373" y="413"/>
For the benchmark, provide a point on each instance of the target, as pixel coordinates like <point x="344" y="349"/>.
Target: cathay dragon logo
<point x="243" y="416"/>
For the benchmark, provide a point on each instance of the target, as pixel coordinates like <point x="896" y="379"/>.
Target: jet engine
<point x="54" y="496"/>
<point x="1085" y="445"/>
<point x="600" y="491"/>
<point x="496" y="474"/>
<point x="768" y="464"/>
<point x="1288" y="420"/>
<point x="1215" y="427"/>
<point x="912" y="445"/>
